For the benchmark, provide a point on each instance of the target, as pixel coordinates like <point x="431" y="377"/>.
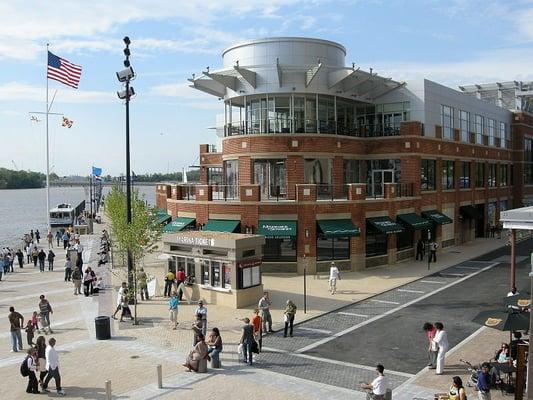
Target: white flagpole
<point x="47" y="150"/>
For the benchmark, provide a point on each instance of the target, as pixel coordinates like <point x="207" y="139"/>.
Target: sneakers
<point x="61" y="392"/>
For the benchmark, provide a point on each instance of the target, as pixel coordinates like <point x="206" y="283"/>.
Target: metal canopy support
<point x="208" y="86"/>
<point x="248" y="75"/>
<point x="353" y="84"/>
<point x="280" y="72"/>
<point x="338" y="77"/>
<point x="226" y="80"/>
<point x="388" y="90"/>
<point x="311" y="73"/>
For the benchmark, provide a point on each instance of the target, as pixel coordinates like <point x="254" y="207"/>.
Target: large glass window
<point x="351" y="171"/>
<point x="318" y="171"/>
<point x="280" y="120"/>
<point x="480" y="175"/>
<point x="337" y="248"/>
<point x="491" y="178"/>
<point x="464" y="179"/>
<point x="326" y="114"/>
<point x="427" y="175"/>
<point x="503" y="135"/>
<point x="231" y="178"/>
<point x="492" y="131"/>
<point x="528" y="161"/>
<point x="447" y="174"/>
<point x="226" y="267"/>
<point x="299" y="114"/>
<point x="214" y="176"/>
<point x="271" y="176"/>
<point x="464" y="126"/>
<point x="310" y="114"/>
<point x="215" y="273"/>
<point x="478" y="128"/>
<point x="504" y="178"/>
<point x="446" y="114"/>
<point x="206" y="264"/>
<point x="279" y="250"/>
<point x="405" y="240"/>
<point x="376" y="242"/>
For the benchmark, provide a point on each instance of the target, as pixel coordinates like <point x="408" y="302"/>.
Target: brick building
<point x="331" y="162"/>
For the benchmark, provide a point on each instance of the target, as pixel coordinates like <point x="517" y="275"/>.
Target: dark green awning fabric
<point x="162" y="219"/>
<point x="437" y="217"/>
<point x="470" y="212"/>
<point x="178" y="224"/>
<point x="277" y="229"/>
<point x="338" y="228"/>
<point x="221" y="225"/>
<point x="385" y="225"/>
<point x="415" y="221"/>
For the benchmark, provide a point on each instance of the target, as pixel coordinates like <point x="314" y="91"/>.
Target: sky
<point x="452" y="42"/>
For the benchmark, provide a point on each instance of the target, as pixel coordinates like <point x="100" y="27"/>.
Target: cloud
<point x="185" y="96"/>
<point x="13" y="91"/>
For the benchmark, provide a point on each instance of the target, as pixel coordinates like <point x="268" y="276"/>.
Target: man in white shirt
<point x="52" y="366"/>
<point x="378" y="388"/>
<point x="513" y="292"/>
<point x="119" y="299"/>
<point x="203" y="312"/>
<point x="441" y="340"/>
<point x="334" y="274"/>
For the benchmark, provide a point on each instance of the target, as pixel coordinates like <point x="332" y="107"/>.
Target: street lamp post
<point x="429" y="247"/>
<point x="125" y="76"/>
<point x="305" y="283"/>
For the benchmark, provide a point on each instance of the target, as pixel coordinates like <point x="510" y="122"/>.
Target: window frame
<point x="448" y="171"/>
<point x="447" y="115"/>
<point x="425" y="171"/>
<point x="464" y="130"/>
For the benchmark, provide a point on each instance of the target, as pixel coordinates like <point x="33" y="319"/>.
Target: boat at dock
<point x="64" y="214"/>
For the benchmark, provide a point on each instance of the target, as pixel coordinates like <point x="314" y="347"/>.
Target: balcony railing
<point x="377" y="191"/>
<point x="296" y="125"/>
<point x="188" y="192"/>
<point x="331" y="192"/>
<point x="225" y="192"/>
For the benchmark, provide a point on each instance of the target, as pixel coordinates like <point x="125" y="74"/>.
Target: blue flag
<point x="97" y="171"/>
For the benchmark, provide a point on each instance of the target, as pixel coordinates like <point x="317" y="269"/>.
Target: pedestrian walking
<point x="40" y="346"/>
<point x="58" y="237"/>
<point x="377" y="389"/>
<point x="433" y="246"/>
<point x="20" y="258"/>
<point x="290" y="312"/>
<point x="203" y="312"/>
<point x="257" y="323"/>
<point x="35" y="321"/>
<point x="30" y="332"/>
<point x="247" y="340"/>
<point x="45" y="310"/>
<point x="483" y="382"/>
<point x="334" y="274"/>
<point x="126" y="312"/>
<point x="27" y="249"/>
<point x="264" y="306"/>
<point x="173" y="310"/>
<point x="65" y="238"/>
<point x="89" y="279"/>
<point x="441" y="340"/>
<point x="10" y="259"/>
<point x="68" y="269"/>
<point x="420" y="250"/>
<point x="142" y="279"/>
<point x="180" y="281"/>
<point x="51" y="256"/>
<point x="32" y="235"/>
<point x="76" y="279"/>
<point x="432" y="351"/>
<point x="79" y="251"/>
<point x="42" y="258"/>
<point x="52" y="366"/>
<point x="37" y="235"/>
<point x="16" y="322"/>
<point x="457" y="390"/>
<point x="30" y="362"/>
<point x="169" y="282"/>
<point x="119" y="298"/>
<point x="50" y="238"/>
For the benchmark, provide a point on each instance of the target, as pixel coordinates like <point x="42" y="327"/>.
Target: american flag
<point x="63" y="71"/>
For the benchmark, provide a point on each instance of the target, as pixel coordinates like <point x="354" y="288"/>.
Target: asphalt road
<point x="397" y="340"/>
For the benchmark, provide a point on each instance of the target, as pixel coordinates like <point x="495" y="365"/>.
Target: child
<point x="35" y="322"/>
<point x="30" y="332"/>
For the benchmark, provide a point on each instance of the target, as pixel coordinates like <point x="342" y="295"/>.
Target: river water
<point x="25" y="209"/>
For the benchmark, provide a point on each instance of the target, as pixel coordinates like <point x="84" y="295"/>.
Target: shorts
<point x="173" y="315"/>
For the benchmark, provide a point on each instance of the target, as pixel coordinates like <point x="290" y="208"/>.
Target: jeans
<point x="53" y="373"/>
<point x="33" y="386"/>
<point x="41" y="265"/>
<point x="267" y="318"/>
<point x="288" y="323"/>
<point x="68" y="274"/>
<point x="247" y="351"/>
<point x="144" y="292"/>
<point x="50" y="265"/>
<point x="45" y="320"/>
<point x="214" y="353"/>
<point x="168" y="288"/>
<point x="433" y="256"/>
<point x="87" y="288"/>
<point x="16" y="338"/>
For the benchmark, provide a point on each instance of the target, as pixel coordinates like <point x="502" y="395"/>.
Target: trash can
<point x="102" y="326"/>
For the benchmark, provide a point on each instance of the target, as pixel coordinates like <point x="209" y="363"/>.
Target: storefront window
<point x="464" y="179"/>
<point x="205" y="272"/>
<point x="427" y="172"/>
<point x="376" y="243"/>
<point x="282" y="250"/>
<point x="190" y="269"/>
<point x="216" y="277"/>
<point x="227" y="275"/>
<point x="351" y="171"/>
<point x="480" y="175"/>
<point x="172" y="264"/>
<point x="404" y="241"/>
<point x="337" y="248"/>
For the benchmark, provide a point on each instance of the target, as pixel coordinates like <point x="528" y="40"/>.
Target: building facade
<point x="330" y="162"/>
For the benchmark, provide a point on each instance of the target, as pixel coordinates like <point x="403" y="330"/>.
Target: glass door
<point x="379" y="178"/>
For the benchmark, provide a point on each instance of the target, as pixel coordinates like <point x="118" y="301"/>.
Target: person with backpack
<point x="28" y="369"/>
<point x="50" y="258"/>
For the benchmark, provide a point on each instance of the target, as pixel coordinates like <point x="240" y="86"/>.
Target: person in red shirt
<point x="430" y="331"/>
<point x="257" y="322"/>
<point x="180" y="278"/>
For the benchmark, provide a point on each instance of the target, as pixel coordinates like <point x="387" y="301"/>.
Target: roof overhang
<point x="519" y="218"/>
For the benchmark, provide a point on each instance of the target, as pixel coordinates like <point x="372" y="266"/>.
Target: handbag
<point x="255" y="347"/>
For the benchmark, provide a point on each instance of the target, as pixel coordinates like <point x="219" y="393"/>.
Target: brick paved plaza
<point x="327" y="358"/>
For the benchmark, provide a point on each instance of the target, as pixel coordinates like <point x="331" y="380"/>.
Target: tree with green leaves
<point x="140" y="237"/>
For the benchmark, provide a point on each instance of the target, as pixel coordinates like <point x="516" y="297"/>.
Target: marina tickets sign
<point x="195" y="241"/>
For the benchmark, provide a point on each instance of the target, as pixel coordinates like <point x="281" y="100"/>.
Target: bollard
<point x="159" y="376"/>
<point x="108" y="390"/>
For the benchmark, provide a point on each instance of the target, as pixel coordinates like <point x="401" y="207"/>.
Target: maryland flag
<point x="67" y="123"/>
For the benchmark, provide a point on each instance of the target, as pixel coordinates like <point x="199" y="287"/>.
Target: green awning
<point x="277" y="229"/>
<point x="337" y="228"/>
<point x="221" y="225"/>
<point x="437" y="217"/>
<point x="178" y="224"/>
<point x="415" y="221"/>
<point x="385" y="225"/>
<point x="470" y="212"/>
<point x="162" y="219"/>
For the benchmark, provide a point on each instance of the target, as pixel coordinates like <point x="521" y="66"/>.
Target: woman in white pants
<point x="441" y="340"/>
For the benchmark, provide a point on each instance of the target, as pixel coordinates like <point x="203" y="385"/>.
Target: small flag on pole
<point x="97" y="171"/>
<point x="67" y="123"/>
<point x="63" y="71"/>
<point x="35" y="119"/>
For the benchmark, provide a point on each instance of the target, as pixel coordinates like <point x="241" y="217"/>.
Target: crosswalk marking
<point x="410" y="291"/>
<point x="384" y="301"/>
<point x="353" y="314"/>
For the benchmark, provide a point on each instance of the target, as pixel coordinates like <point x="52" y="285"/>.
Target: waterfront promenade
<point x="129" y="360"/>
